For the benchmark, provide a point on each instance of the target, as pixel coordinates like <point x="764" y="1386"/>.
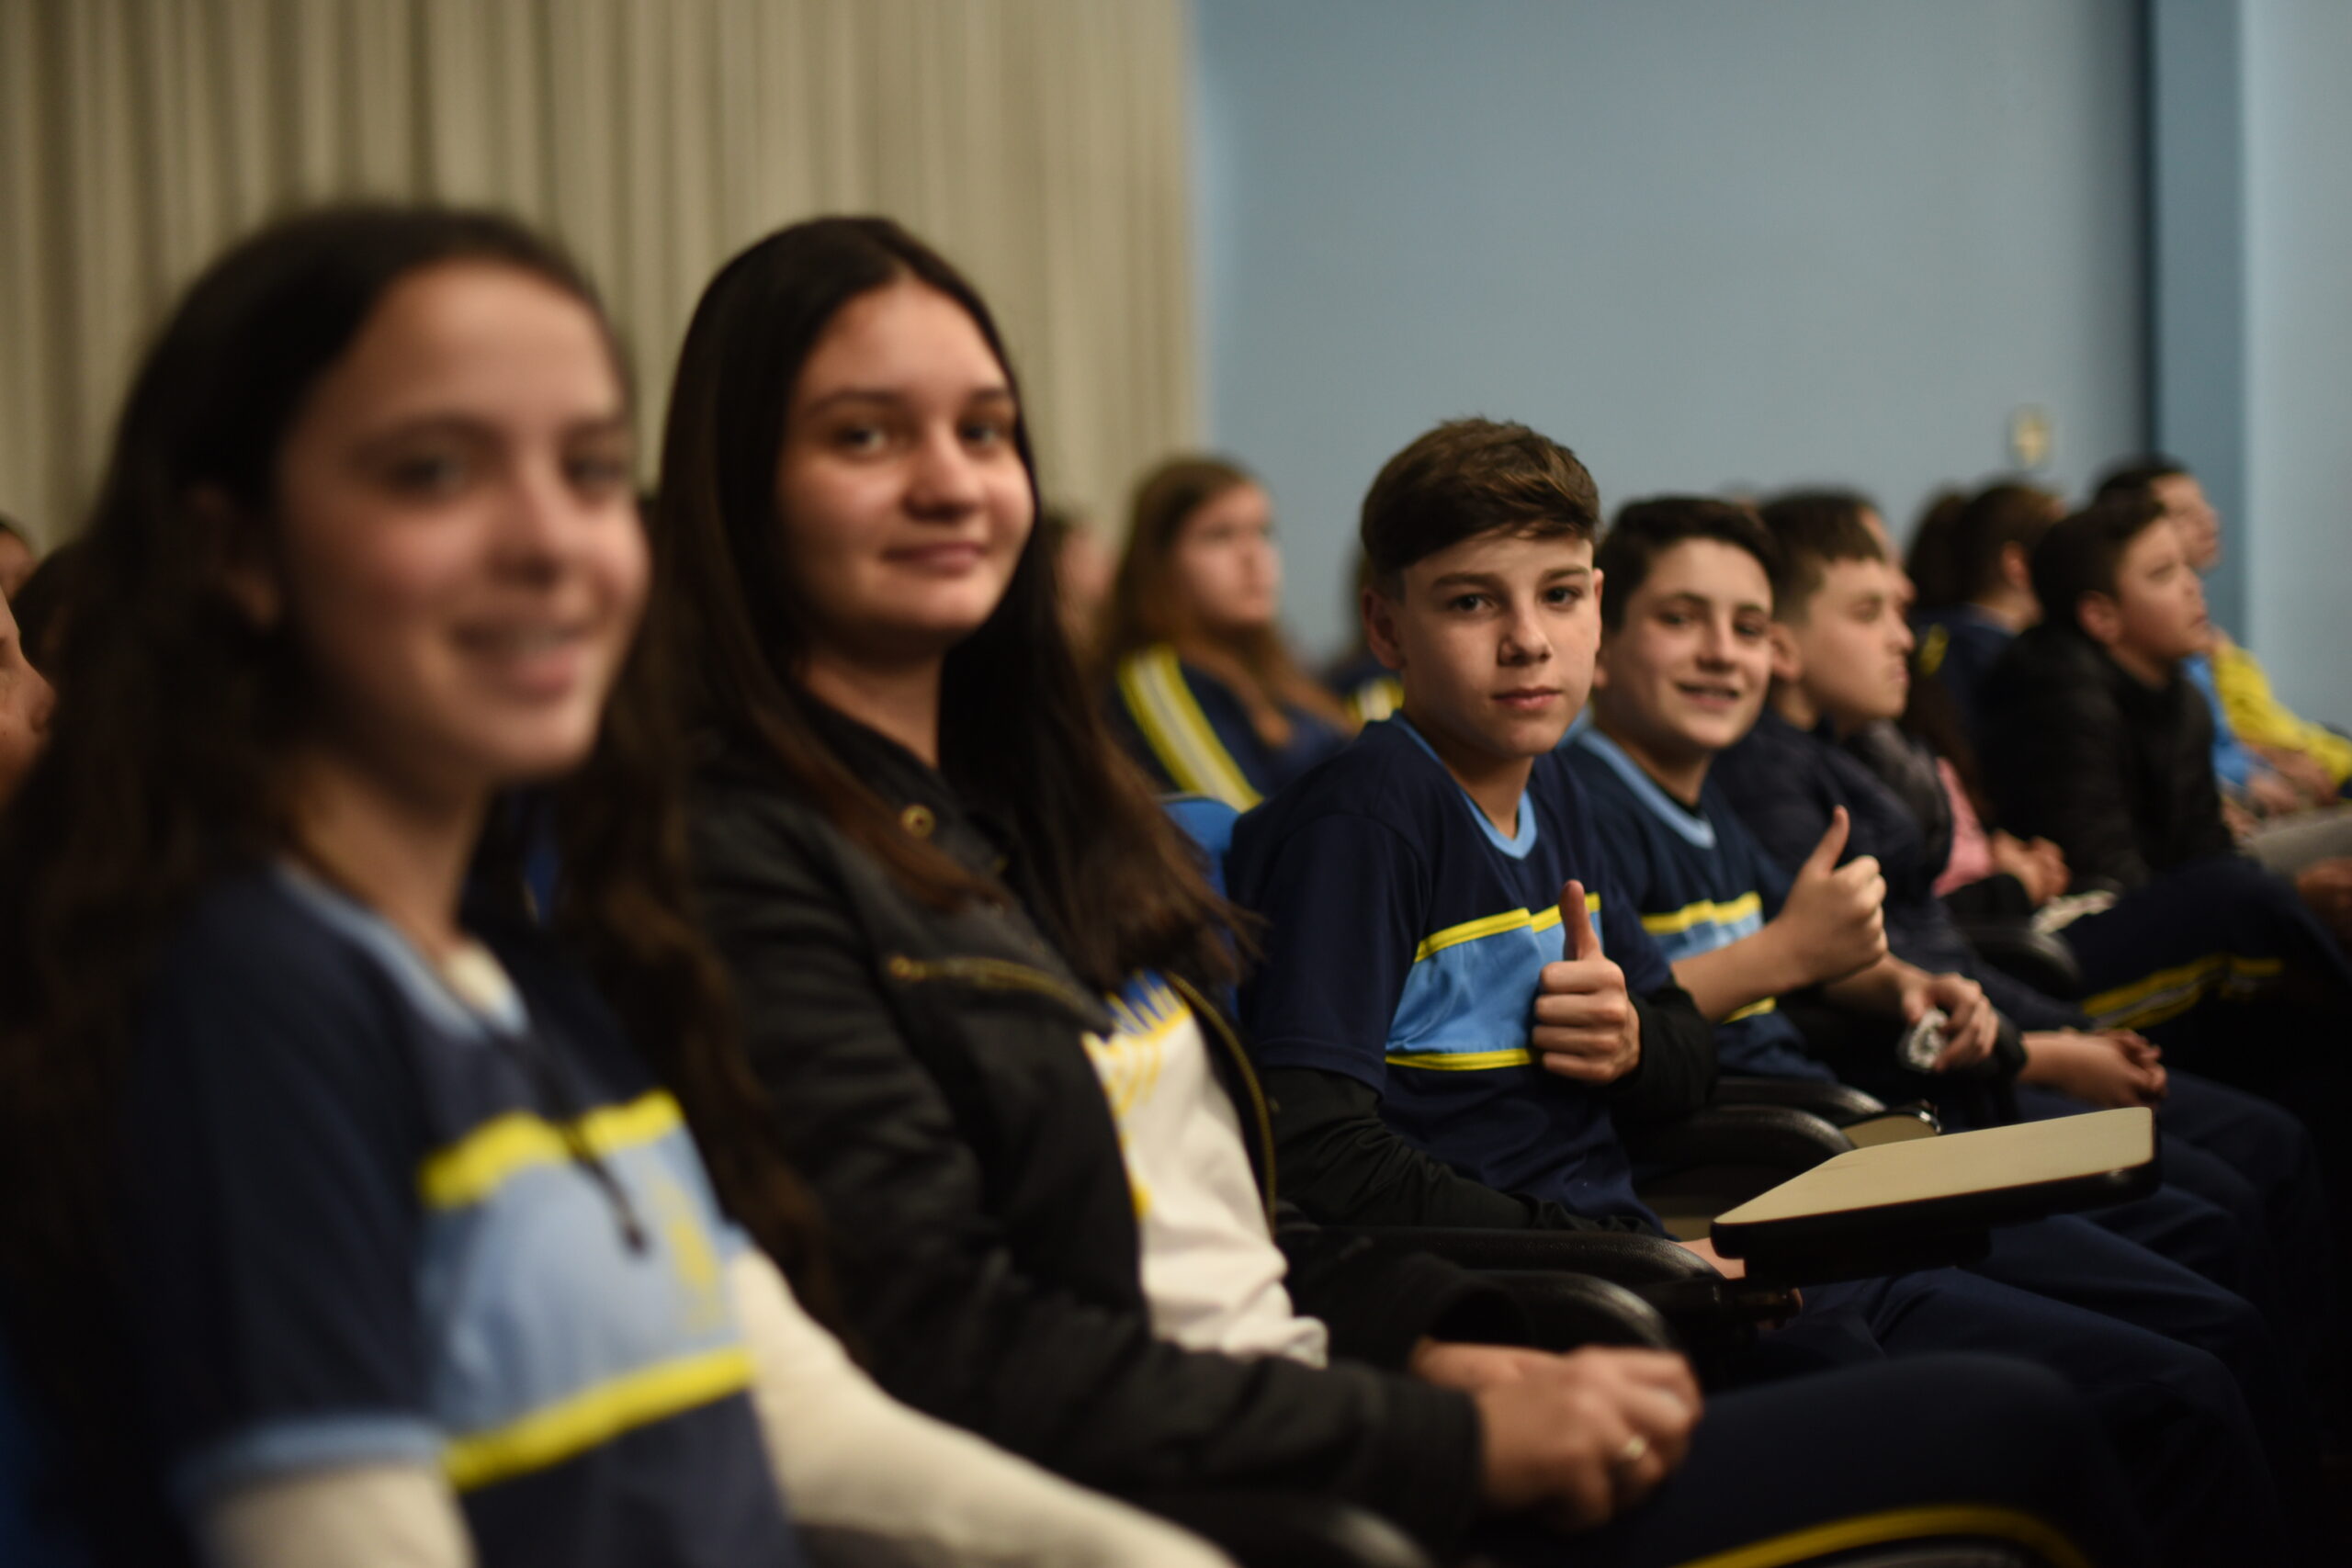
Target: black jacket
<point x="2118" y="774"/>
<point x="928" y="1076"/>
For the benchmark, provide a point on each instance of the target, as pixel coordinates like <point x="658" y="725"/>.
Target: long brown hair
<point x="164" y="772"/>
<point x="1147" y="607"/>
<point x="1118" y="886"/>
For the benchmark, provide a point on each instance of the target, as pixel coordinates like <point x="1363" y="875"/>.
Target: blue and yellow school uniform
<point x="1405" y="937"/>
<point x="373" y="1223"/>
<point x="1957" y="646"/>
<point x="1698" y="882"/>
<point x="1369" y="688"/>
<point x="1193" y="735"/>
<point x="1403" y="945"/>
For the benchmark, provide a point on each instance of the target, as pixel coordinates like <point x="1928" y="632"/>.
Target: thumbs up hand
<point x="1585" y="1025"/>
<point x="1833" y="921"/>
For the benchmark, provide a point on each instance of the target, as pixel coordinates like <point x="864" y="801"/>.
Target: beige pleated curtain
<point x="1041" y="143"/>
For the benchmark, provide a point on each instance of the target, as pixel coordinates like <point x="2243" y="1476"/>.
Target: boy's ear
<point x="240" y="562"/>
<point x="2101" y="618"/>
<point x="1788" y="664"/>
<point x="1379" y="613"/>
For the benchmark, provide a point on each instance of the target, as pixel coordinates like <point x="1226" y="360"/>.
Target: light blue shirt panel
<point x="496" y="1277"/>
<point x="1707" y="936"/>
<point x="1515" y="845"/>
<point x="1694" y="828"/>
<point x="2233" y="765"/>
<point x="1474" y="996"/>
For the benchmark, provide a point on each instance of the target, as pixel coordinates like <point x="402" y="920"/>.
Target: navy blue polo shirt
<point x="360" y="1234"/>
<point x="1404" y="941"/>
<point x="1700" y="882"/>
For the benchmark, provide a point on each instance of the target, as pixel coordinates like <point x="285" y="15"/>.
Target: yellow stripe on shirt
<point x="1152" y="685"/>
<point x="1495" y="925"/>
<point x="1704" y="912"/>
<point x="554" y="1433"/>
<point x="485" y="1159"/>
<point x="1459" y="1061"/>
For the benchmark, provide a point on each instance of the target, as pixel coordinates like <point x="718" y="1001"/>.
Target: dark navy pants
<point x="2181" y="1374"/>
<point x="2257" y="1221"/>
<point x="1956" y="1445"/>
<point x="2197" y="937"/>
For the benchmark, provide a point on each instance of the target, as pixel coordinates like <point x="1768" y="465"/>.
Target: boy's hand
<point x="1971" y="1024"/>
<point x="2116" y="1069"/>
<point x="1585" y="1028"/>
<point x="2039" y="866"/>
<point x="1834" y="918"/>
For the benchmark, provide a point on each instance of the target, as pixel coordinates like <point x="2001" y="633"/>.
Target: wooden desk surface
<point x="2030" y="1153"/>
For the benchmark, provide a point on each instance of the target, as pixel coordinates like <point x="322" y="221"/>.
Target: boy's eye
<point x="1464" y="603"/>
<point x="1750" y="631"/>
<point x="857" y="439"/>
<point x="1564" y="594"/>
<point x="1675" y="618"/>
<point x="987" y="433"/>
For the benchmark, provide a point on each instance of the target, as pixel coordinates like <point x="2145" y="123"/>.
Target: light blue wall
<point x="2298" y="539"/>
<point x="1706" y="243"/>
<point x="2198" y="309"/>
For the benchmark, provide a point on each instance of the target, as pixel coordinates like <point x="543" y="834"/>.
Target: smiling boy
<point x="1685" y="663"/>
<point x="1415" y="885"/>
<point x="1454" y="1003"/>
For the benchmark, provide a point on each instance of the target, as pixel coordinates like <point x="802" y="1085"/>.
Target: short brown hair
<point x="1814" y="529"/>
<point x="2082" y="554"/>
<point x="1647" y="529"/>
<point x="1469" y="476"/>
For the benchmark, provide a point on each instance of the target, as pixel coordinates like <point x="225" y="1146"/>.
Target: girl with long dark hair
<point x="353" y="1187"/>
<point x="1204" y="692"/>
<point x="974" y="960"/>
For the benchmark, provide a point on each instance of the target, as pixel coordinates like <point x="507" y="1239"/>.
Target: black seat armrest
<point x="1571" y="1310"/>
<point x="1629" y="1257"/>
<point x="1775" y="1136"/>
<point x="1705" y="1312"/>
<point x="1287" y="1529"/>
<point x="2038" y="958"/>
<point x="1836" y="1104"/>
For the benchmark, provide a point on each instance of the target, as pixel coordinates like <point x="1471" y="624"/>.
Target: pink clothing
<point x="1972" y="852"/>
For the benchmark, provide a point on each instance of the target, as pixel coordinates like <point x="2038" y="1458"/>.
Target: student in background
<point x="1204" y="694"/>
<point x="1926" y="564"/>
<point x="1686" y="664"/>
<point x="2095" y="736"/>
<point x="338" y="1204"/>
<point x="1988" y="548"/>
<point x="1369" y="688"/>
<point x="2294" y="763"/>
<point x="1450" y="1040"/>
<point x="1082" y="572"/>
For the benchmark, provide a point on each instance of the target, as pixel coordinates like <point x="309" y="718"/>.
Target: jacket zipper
<point x="1216" y="1025"/>
<point x="992" y="975"/>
